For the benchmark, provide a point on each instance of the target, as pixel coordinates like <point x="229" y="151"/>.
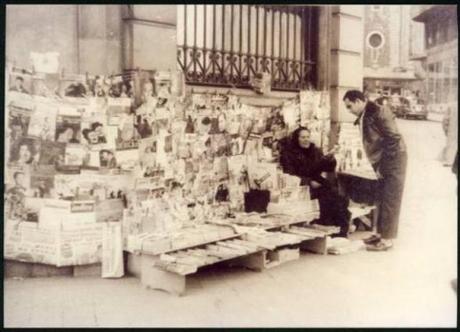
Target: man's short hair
<point x="353" y="95"/>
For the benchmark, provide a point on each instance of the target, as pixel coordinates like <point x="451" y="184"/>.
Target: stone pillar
<point x="341" y="57"/>
<point x="99" y="39"/>
<point x="149" y="37"/>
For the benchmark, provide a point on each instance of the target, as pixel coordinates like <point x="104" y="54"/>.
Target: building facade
<point x="440" y="56"/>
<point x="389" y="39"/>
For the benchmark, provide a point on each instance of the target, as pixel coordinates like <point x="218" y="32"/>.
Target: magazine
<point x="68" y="128"/>
<point x="52" y="153"/>
<point x="43" y="121"/>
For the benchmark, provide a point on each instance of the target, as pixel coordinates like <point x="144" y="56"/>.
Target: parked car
<point x="398" y="105"/>
<point x="417" y="110"/>
<point x="404" y="107"/>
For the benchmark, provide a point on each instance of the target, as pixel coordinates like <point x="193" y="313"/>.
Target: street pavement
<point x="408" y="286"/>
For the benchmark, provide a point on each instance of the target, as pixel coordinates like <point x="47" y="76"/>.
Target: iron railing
<point x="227" y="66"/>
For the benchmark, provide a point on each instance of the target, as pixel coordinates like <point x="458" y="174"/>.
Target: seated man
<point x="302" y="158"/>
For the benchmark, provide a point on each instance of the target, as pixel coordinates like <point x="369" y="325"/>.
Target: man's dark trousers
<point x="391" y="189"/>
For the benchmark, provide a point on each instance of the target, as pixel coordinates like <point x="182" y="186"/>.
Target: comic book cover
<point x="177" y="83"/>
<point x="18" y="121"/>
<point x="25" y="150"/>
<point x="93" y="130"/>
<point x="17" y="187"/>
<point x="73" y="86"/>
<point x="20" y="81"/>
<point x="42" y="181"/>
<point x="52" y="153"/>
<point x="107" y="159"/>
<point x="262" y="175"/>
<point x="127" y="159"/>
<point x="116" y="107"/>
<point x="128" y="136"/>
<point x="76" y="155"/>
<point x="46" y="85"/>
<point x="43" y="121"/>
<point x="68" y="128"/>
<point x="109" y="210"/>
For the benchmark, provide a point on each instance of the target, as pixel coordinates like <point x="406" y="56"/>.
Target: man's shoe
<point x="382" y="245"/>
<point x="372" y="239"/>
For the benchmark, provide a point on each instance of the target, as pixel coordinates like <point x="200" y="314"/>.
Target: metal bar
<point x="273" y="43"/>
<point x="257" y="38"/>
<point x="150" y="22"/>
<point x="265" y="32"/>
<point x="288" y="14"/>
<point x="295" y="35"/>
<point x="213" y="39"/>
<point x="185" y="39"/>
<point x="223" y="42"/>
<point x="281" y="28"/>
<point x="279" y="54"/>
<point x="231" y="39"/>
<point x="249" y="41"/>
<point x="205" y="23"/>
<point x="195" y="26"/>
<point x="241" y="42"/>
<point x="302" y="46"/>
<point x="287" y="33"/>
<point x="309" y="33"/>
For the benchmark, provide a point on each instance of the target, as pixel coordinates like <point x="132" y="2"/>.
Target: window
<point x="375" y="40"/>
<point x="430" y="34"/>
<point x="452" y="30"/>
<point x="228" y="45"/>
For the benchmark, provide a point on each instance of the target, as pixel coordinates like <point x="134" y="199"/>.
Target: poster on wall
<point x="45" y="62"/>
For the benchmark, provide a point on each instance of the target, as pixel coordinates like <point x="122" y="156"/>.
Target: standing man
<point x="386" y="151"/>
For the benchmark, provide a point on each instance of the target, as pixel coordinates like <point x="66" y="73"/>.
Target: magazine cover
<point x="20" y="81"/>
<point x="76" y="154"/>
<point x="73" y="86"/>
<point x="93" y="130"/>
<point x="107" y="159"/>
<point x="42" y="181"/>
<point x="46" y="85"/>
<point x="18" y="121"/>
<point x="25" y="150"/>
<point x="68" y="128"/>
<point x="43" y="121"/>
<point x="17" y="186"/>
<point x="116" y="107"/>
<point x="128" y="137"/>
<point x="52" y="153"/>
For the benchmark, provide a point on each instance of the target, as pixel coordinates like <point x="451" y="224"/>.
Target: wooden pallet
<point x="256" y="249"/>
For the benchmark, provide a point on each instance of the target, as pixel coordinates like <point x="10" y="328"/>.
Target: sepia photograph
<point x="230" y="165"/>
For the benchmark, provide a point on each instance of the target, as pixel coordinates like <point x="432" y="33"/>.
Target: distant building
<point x="440" y="54"/>
<point x="388" y="43"/>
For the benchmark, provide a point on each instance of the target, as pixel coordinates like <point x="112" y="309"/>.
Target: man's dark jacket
<point x="381" y="138"/>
